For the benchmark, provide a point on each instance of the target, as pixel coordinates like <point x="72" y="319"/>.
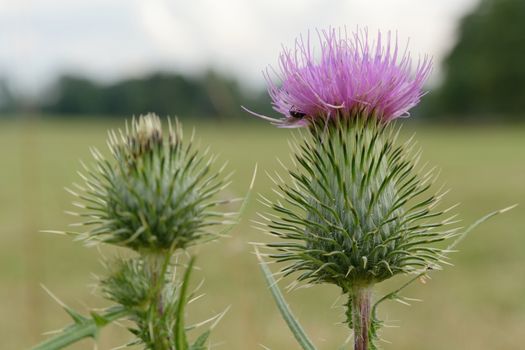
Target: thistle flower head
<point x="155" y="194"/>
<point x="355" y="208"/>
<point x="350" y="75"/>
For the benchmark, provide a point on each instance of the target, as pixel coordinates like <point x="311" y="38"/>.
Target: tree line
<point x="484" y="74"/>
<point x="208" y="96"/>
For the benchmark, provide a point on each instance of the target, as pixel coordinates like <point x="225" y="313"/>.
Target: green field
<point x="479" y="304"/>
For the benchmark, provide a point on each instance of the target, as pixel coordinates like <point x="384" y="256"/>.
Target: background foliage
<point x="484" y="73"/>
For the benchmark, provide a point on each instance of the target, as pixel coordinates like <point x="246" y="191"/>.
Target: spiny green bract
<point x="155" y="194"/>
<point x="354" y="210"/>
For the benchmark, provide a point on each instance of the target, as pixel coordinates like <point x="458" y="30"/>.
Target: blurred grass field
<point x="479" y="304"/>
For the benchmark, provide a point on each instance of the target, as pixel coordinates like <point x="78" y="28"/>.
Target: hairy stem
<point x="361" y="311"/>
<point x="158" y="263"/>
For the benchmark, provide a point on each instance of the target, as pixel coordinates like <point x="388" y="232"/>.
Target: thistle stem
<point x="361" y="312"/>
<point x="158" y="263"/>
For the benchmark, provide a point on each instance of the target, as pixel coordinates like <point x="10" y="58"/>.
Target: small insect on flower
<point x="296" y="114"/>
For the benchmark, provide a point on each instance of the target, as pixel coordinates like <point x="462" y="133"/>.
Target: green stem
<point x="158" y="264"/>
<point x="361" y="312"/>
<point x="83" y="329"/>
<point x="180" y="331"/>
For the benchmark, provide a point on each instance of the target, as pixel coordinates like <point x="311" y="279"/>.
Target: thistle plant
<point x="156" y="196"/>
<point x="356" y="207"/>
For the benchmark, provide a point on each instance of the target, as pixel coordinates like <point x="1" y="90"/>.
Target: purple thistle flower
<point x="352" y="77"/>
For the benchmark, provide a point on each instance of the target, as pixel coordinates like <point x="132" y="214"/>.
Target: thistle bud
<point x="129" y="283"/>
<point x="155" y="194"/>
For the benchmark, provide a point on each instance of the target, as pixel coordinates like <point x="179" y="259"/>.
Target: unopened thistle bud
<point x="155" y="194"/>
<point x="129" y="283"/>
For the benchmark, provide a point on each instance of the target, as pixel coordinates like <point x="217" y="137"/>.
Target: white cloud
<point x="110" y="39"/>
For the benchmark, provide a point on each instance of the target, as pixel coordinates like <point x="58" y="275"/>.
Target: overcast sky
<point x="109" y="39"/>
